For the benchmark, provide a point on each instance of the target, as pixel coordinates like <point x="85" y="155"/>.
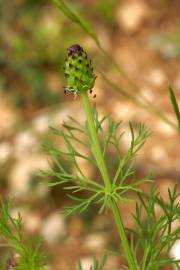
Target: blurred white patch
<point x="131" y="15"/>
<point x="5" y="151"/>
<point x="146" y="93"/>
<point x="122" y="110"/>
<point x="24" y="143"/>
<point x="95" y="241"/>
<point x="165" y="129"/>
<point x="86" y="263"/>
<point x="158" y="153"/>
<point x="175" y="252"/>
<point x="54" y="228"/>
<point x="41" y="123"/>
<point x="21" y="173"/>
<point x="156" y="77"/>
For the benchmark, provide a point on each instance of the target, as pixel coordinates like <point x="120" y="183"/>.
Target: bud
<point x="78" y="70"/>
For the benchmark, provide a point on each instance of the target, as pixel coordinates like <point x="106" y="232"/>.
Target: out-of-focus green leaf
<point x="107" y="10"/>
<point x="175" y="105"/>
<point x="75" y="17"/>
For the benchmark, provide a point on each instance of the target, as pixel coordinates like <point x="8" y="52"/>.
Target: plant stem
<point x="95" y="142"/>
<point x="122" y="234"/>
<point x="96" y="148"/>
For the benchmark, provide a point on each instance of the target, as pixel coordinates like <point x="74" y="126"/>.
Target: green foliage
<point x="107" y="10"/>
<point x="92" y="143"/>
<point x="78" y="182"/>
<point x="76" y="18"/>
<point x="175" y="106"/>
<point x="155" y="235"/>
<point x="11" y="236"/>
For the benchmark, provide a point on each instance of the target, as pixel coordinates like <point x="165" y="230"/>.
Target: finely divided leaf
<point x="75" y="17"/>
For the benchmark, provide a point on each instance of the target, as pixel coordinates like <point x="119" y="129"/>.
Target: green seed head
<point x="78" y="70"/>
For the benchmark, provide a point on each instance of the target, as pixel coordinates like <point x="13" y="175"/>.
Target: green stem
<point x="96" y="148"/>
<point x="122" y="235"/>
<point x="95" y="141"/>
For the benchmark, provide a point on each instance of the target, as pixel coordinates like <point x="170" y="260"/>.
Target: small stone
<point x="175" y="251"/>
<point x="131" y="15"/>
<point x="54" y="228"/>
<point x="165" y="129"/>
<point x="86" y="263"/>
<point x="158" y="153"/>
<point x="41" y="123"/>
<point x="24" y="143"/>
<point x="95" y="241"/>
<point x="21" y="175"/>
<point x="122" y="110"/>
<point x="156" y="77"/>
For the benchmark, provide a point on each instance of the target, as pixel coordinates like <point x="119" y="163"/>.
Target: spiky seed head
<point x="78" y="70"/>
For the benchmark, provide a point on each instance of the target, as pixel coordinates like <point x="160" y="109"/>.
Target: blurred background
<point x="143" y="37"/>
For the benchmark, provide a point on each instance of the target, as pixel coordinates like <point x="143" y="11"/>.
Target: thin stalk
<point x="145" y="104"/>
<point x="122" y="234"/>
<point x="95" y="142"/>
<point x="104" y="172"/>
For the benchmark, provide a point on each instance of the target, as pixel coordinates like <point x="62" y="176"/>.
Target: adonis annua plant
<point x="155" y="235"/>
